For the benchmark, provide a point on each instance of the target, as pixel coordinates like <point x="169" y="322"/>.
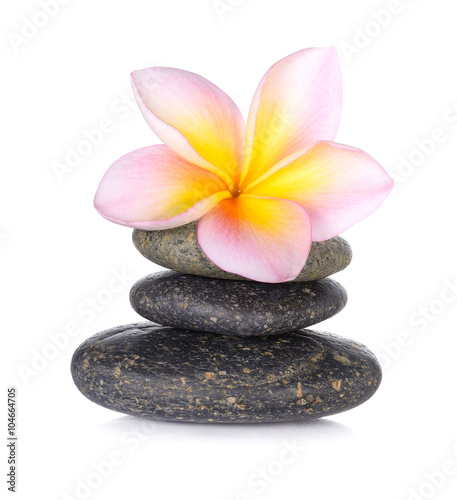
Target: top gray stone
<point x="178" y="249"/>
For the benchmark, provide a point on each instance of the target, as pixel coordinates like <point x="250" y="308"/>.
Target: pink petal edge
<point x="261" y="239"/>
<point x="194" y="117"/>
<point x="153" y="188"/>
<point x="338" y="186"/>
<point x="297" y="102"/>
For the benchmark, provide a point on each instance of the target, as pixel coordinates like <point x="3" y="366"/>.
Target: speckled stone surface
<point x="178" y="249"/>
<point x="235" y="307"/>
<point x="170" y="374"/>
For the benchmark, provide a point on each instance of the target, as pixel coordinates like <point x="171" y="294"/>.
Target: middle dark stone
<point x="243" y="308"/>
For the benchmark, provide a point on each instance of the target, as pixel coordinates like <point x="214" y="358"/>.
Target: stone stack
<point x="220" y="348"/>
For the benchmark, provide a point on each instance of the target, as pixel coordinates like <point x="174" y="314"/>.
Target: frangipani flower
<point x="263" y="191"/>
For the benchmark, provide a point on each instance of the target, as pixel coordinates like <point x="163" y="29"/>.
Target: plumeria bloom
<point x="263" y="191"/>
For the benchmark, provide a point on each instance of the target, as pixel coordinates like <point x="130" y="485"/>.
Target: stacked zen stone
<point x="230" y="350"/>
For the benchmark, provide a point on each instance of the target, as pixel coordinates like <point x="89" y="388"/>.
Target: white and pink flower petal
<point x="337" y="185"/>
<point x="262" y="239"/>
<point x="297" y="102"/>
<point x="154" y="188"/>
<point x="193" y="117"/>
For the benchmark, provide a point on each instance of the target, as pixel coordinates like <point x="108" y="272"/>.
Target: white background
<point x="69" y="75"/>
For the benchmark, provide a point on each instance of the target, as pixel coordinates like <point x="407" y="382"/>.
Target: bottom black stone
<point x="170" y="374"/>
